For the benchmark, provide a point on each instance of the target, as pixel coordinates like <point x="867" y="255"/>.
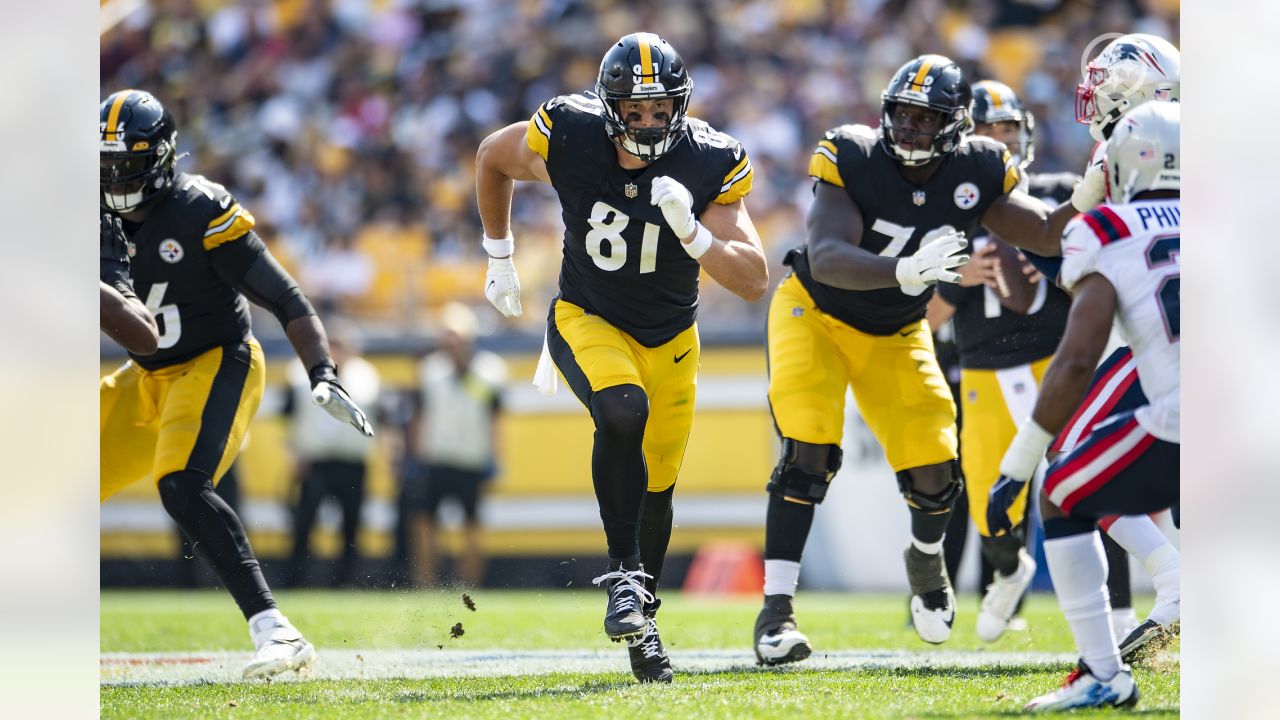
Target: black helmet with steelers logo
<point x="995" y="102"/>
<point x="643" y="66"/>
<point x="933" y="82"/>
<point x="137" y="139"/>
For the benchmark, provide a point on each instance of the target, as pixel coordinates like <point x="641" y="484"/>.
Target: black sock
<point x="957" y="536"/>
<point x="618" y="468"/>
<point x="786" y="529"/>
<point x="929" y="527"/>
<point x="1001" y="551"/>
<point x="1118" y="585"/>
<point x="219" y="537"/>
<point x="655" y="534"/>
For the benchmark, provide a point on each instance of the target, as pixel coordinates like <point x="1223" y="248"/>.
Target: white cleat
<point x="1083" y="690"/>
<point x="1001" y="600"/>
<point x="932" y="614"/>
<point x="281" y="648"/>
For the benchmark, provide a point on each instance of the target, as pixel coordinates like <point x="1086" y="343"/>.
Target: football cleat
<point x="777" y="641"/>
<point x="933" y="604"/>
<point x="1143" y="636"/>
<point x="1001" y="600"/>
<point x="280" y="648"/>
<point x="624" y="616"/>
<point x="1082" y="690"/>
<point x="649" y="660"/>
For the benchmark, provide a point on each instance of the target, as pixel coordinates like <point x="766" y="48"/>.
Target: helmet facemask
<point x="127" y="180"/>
<point x="943" y="141"/>
<point x="1129" y="72"/>
<point x="639" y="67"/>
<point x="648" y="143"/>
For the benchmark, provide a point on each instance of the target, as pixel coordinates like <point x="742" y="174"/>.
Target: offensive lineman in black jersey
<point x="178" y="415"/>
<point x="891" y="208"/>
<point x="1006" y="335"/>
<point x="649" y="197"/>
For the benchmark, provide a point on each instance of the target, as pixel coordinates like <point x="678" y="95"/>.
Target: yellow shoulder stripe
<point x="215" y="225"/>
<point x="737" y="185"/>
<point x="1012" y="174"/>
<point x="235" y="226"/>
<point x="737" y="169"/>
<point x="538" y="136"/>
<point x="822" y="166"/>
<point x="829" y="146"/>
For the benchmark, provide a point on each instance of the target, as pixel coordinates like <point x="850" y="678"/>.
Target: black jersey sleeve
<point x="840" y="158"/>
<point x="247" y="265"/>
<point x="550" y="127"/>
<point x="729" y="167"/>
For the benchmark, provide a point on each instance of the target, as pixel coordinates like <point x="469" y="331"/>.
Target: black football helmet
<point x="136" y="151"/>
<point x="995" y="102"/>
<point x="643" y="66"/>
<point x="934" y="82"/>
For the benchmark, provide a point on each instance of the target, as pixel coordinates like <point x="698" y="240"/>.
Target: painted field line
<point x="225" y="667"/>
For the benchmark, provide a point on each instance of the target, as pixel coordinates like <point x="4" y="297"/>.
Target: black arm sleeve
<point x="249" y="267"/>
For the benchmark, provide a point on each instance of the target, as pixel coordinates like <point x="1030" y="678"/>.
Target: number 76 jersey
<point x="1136" y="248"/>
<point x="621" y="260"/>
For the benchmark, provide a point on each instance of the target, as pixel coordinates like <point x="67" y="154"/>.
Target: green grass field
<point x="542" y="654"/>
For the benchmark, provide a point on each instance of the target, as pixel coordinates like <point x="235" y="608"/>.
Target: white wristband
<point x="499" y="247"/>
<point x="701" y="242"/>
<point x="1026" y="451"/>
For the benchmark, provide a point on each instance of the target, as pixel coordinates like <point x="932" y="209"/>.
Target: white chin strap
<point x="654" y="150"/>
<point x="123" y="203"/>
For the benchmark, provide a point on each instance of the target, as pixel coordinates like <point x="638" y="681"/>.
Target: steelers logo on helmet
<point x="642" y="67"/>
<point x="925" y="110"/>
<point x="136" y="150"/>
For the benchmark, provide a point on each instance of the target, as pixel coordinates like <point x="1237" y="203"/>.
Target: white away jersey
<point x="1136" y="248"/>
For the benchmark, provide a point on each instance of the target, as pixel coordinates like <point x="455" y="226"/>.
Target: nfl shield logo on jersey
<point x="917" y="197"/>
<point x="170" y="251"/>
<point x="966" y="195"/>
<point x="631" y="190"/>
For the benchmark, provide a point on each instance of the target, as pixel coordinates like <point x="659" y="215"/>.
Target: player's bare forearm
<point x="1093" y="308"/>
<point x="1026" y="222"/>
<point x="835" y="231"/>
<point x="127" y="321"/>
<point x="735" y="259"/>
<point x="306" y="335"/>
<point x="503" y="158"/>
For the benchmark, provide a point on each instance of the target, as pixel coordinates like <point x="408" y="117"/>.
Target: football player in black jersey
<point x="1007" y="329"/>
<point x="891" y="209"/>
<point x="178" y="415"/>
<point x="121" y="315"/>
<point x="650" y="197"/>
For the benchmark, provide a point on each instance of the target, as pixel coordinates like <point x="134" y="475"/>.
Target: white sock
<point x="927" y="548"/>
<point x="261" y="624"/>
<point x="1122" y="621"/>
<point x="1078" y="567"/>
<point x="1143" y="539"/>
<point x="781" y="577"/>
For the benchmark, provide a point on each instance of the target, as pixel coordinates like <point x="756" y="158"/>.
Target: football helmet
<point x="995" y="102"/>
<point x="934" y="82"/>
<point x="1129" y="71"/>
<point x="136" y="149"/>
<point x="643" y="66"/>
<point x="1144" y="151"/>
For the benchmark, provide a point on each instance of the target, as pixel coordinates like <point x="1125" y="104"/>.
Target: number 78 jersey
<point x="1136" y="248"/>
<point x="621" y="260"/>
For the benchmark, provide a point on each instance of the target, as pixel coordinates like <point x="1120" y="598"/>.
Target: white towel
<point x="546" y="377"/>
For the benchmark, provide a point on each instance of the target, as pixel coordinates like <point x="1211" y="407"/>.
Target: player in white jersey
<point x="1121" y="262"/>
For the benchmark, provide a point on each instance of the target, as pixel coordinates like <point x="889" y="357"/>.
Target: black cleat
<point x="649" y="660"/>
<point x="1141" y="637"/>
<point x="624" y="616"/>
<point x="777" y="641"/>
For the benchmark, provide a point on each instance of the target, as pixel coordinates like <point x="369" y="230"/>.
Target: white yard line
<point x="224" y="667"/>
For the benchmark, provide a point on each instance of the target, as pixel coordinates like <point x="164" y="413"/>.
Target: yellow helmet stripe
<point x="923" y="72"/>
<point x="646" y="56"/>
<point x="996" y="100"/>
<point x="113" y="116"/>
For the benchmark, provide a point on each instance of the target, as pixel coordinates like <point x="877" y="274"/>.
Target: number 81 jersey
<point x="621" y="260"/>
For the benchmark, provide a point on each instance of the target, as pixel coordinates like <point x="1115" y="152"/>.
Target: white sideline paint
<point x="225" y="667"/>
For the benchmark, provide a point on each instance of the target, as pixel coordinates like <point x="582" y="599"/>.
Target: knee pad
<point x="790" y="481"/>
<point x="180" y="493"/>
<point x="936" y="502"/>
<point x="621" y="410"/>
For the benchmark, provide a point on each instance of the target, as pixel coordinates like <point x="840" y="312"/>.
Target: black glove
<point x="115" y="251"/>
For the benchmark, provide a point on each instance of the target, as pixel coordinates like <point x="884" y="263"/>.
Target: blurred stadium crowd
<point x="349" y="127"/>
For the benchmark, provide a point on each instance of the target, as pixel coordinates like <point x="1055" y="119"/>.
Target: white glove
<point x="676" y="204"/>
<point x="330" y="395"/>
<point x="1026" y="451"/>
<point x="502" y="286"/>
<point x="932" y="263"/>
<point x="1092" y="190"/>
